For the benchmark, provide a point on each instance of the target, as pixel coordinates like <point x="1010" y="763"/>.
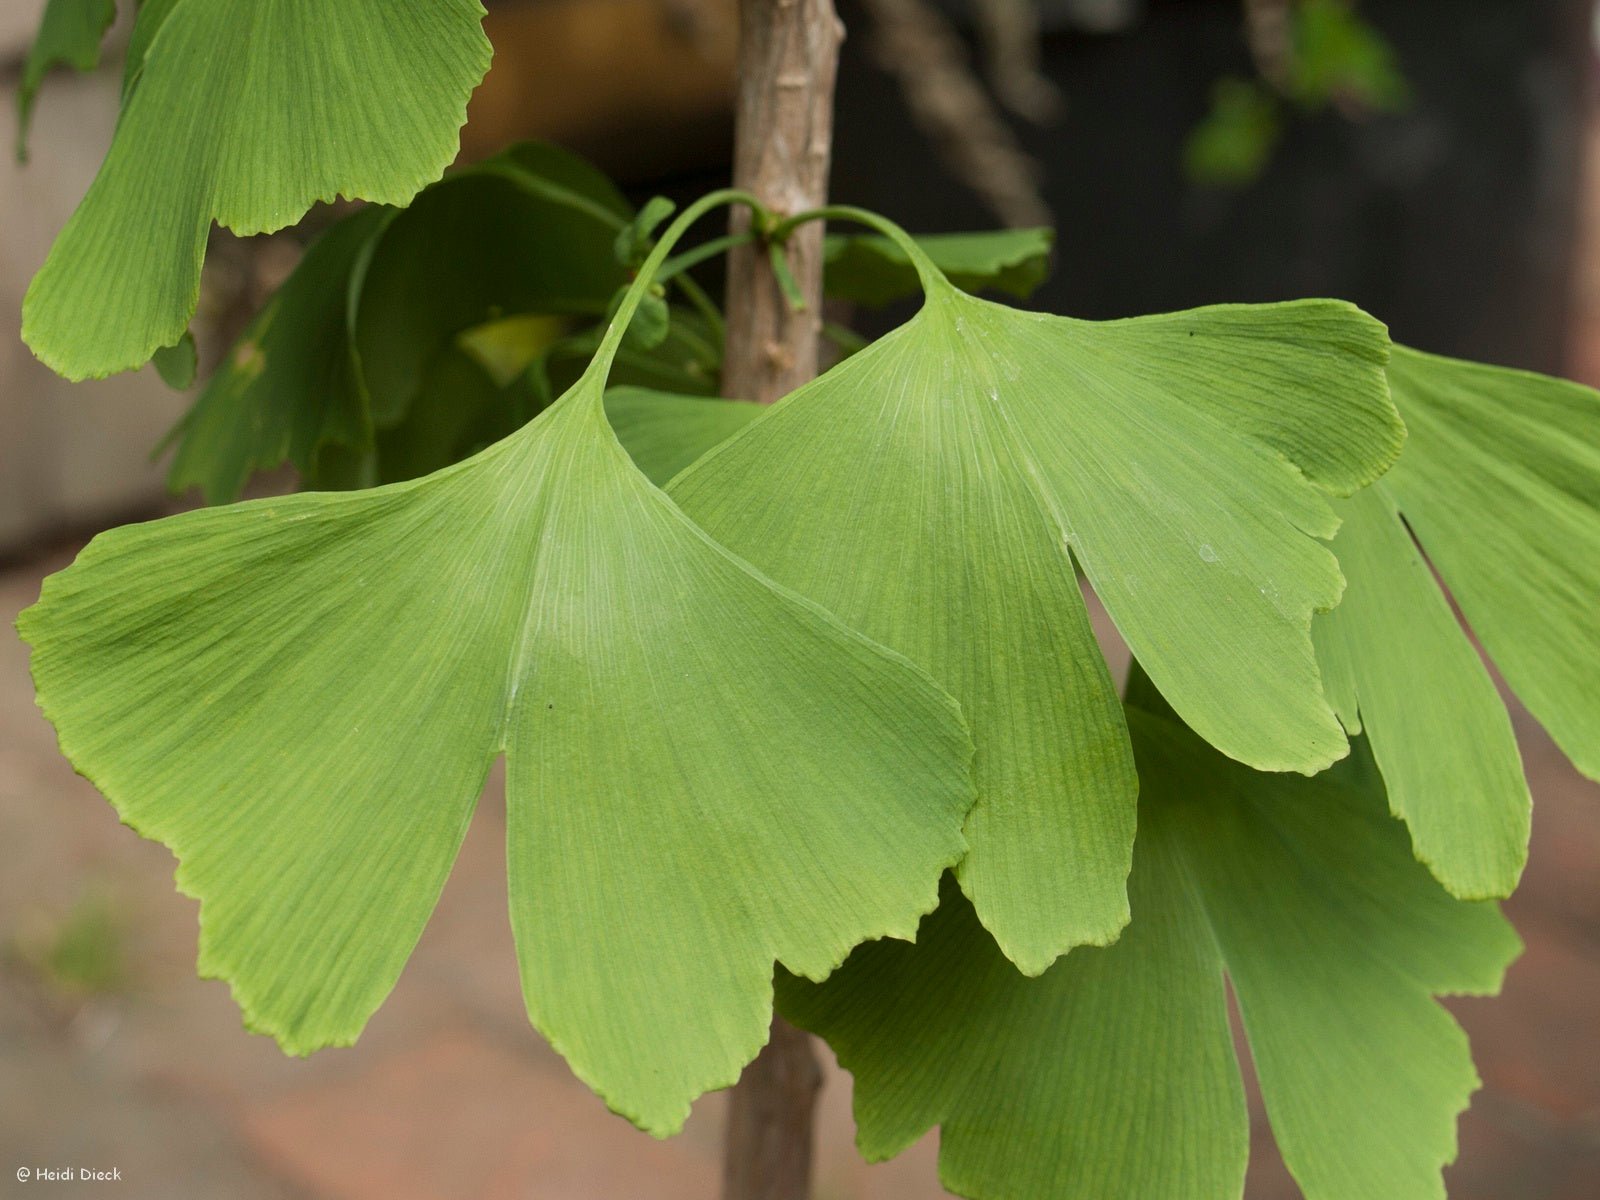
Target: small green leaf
<point x="177" y="364"/>
<point x="70" y="33"/>
<point x="872" y="270"/>
<point x="633" y="242"/>
<point x="1231" y="146"/>
<point x="933" y="490"/>
<point x="506" y="348"/>
<point x="301" y="697"/>
<point x="285" y="392"/>
<point x="1501" y="483"/>
<point x="1339" y="57"/>
<point x="246" y="115"/>
<point x="650" y="323"/>
<point x="1114" y="1069"/>
<point x="1395" y="660"/>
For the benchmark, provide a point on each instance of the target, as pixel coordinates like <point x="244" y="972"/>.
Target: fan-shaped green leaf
<point x="285" y="392"/>
<point x="1113" y="1068"/>
<point x="873" y="270"/>
<point x="1501" y="483"/>
<point x="1395" y="660"/>
<point x="705" y="773"/>
<point x="246" y="115"/>
<point x="927" y="490"/>
<point x="70" y="33"/>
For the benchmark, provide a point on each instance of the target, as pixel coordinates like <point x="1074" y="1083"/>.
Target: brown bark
<point x="788" y="58"/>
<point x="768" y="1142"/>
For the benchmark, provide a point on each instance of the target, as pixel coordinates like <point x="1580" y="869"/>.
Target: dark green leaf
<point x="528" y="231"/>
<point x="177" y="364"/>
<point x="1111" y="1076"/>
<point x="285" y="392"/>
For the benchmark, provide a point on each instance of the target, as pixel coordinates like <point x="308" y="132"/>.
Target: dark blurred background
<point x="1441" y="173"/>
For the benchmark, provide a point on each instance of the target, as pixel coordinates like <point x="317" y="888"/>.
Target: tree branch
<point x="783" y="141"/>
<point x="788" y="59"/>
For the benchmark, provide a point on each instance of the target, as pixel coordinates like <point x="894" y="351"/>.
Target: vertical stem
<point x="783" y="139"/>
<point x="788" y="58"/>
<point x="766" y="1152"/>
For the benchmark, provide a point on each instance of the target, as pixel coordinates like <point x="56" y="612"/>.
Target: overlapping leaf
<point x="873" y="270"/>
<point x="705" y="773"/>
<point x="928" y="489"/>
<point x="1395" y="661"/>
<point x="245" y="115"/>
<point x="1111" y="1077"/>
<point x="70" y="33"/>
<point x="328" y="375"/>
<point x="285" y="392"/>
<point x="528" y="231"/>
<point x="1500" y="482"/>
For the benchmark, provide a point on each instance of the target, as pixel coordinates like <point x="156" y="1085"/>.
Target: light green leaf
<point x="246" y="115"/>
<point x="285" y="391"/>
<point x="873" y="270"/>
<point x="70" y="33"/>
<point x="705" y="773"/>
<point x="1114" y="1070"/>
<point x="1501" y="483"/>
<point x="927" y="490"/>
<point x="663" y="432"/>
<point x="528" y="231"/>
<point x="1395" y="660"/>
<point x="505" y="348"/>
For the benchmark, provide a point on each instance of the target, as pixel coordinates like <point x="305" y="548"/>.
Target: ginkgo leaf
<point x="284" y="393"/>
<point x="70" y="33"/>
<point x="527" y="231"/>
<point x="1182" y="459"/>
<point x="246" y="115"/>
<point x="872" y="269"/>
<point x="663" y="432"/>
<point x="1500" y="482"/>
<point x="705" y="772"/>
<point x="1395" y="661"/>
<point x="1114" y="1069"/>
